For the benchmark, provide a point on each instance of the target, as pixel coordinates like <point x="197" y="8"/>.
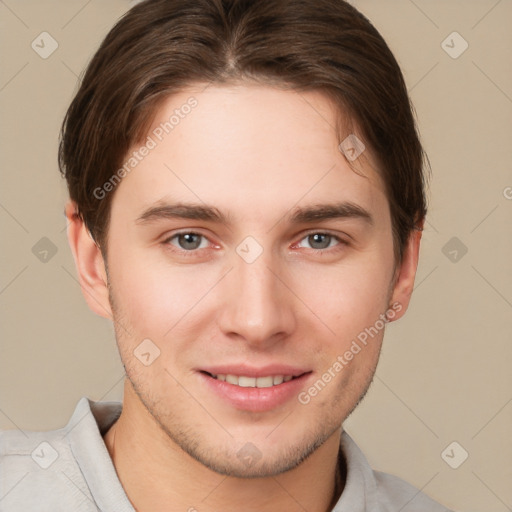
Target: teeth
<point x="247" y="382"/>
<point x="264" y="382"/>
<point x="254" y="382"/>
<point x="232" y="379"/>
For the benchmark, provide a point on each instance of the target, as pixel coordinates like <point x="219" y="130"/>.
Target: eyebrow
<point x="304" y="215"/>
<point x="343" y="210"/>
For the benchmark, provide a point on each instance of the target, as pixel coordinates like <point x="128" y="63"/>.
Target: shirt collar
<point x="84" y="431"/>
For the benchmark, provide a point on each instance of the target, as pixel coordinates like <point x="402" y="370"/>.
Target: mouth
<point x="256" y="390"/>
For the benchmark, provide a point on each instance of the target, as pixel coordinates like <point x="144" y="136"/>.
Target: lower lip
<point x="256" y="399"/>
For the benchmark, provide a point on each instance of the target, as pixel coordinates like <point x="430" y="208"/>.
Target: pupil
<point x="317" y="237"/>
<point x="189" y="242"/>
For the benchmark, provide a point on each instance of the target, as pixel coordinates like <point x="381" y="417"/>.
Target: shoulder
<point x="39" y="472"/>
<point x="367" y="489"/>
<point x="396" y="494"/>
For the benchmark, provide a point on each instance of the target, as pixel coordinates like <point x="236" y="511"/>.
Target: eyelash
<point x="192" y="253"/>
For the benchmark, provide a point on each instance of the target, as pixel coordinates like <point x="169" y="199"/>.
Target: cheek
<point x="154" y="295"/>
<point x="348" y="297"/>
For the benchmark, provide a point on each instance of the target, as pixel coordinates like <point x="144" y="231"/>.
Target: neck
<point x="157" y="475"/>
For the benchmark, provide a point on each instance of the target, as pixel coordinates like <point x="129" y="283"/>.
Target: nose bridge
<point x="257" y="306"/>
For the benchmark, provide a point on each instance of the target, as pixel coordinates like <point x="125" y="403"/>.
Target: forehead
<point x="248" y="147"/>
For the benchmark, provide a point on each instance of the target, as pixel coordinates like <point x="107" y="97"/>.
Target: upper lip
<point x="251" y="371"/>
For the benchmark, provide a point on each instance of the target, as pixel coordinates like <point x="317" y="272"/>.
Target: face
<point x="258" y="267"/>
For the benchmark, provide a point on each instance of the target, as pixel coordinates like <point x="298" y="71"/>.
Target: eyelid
<point x="335" y="234"/>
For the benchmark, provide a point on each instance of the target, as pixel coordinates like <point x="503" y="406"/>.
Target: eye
<point x="188" y="241"/>
<point x="319" y="240"/>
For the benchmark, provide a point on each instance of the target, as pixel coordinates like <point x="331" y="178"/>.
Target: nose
<point x="257" y="307"/>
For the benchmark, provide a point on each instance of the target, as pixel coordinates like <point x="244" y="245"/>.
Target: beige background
<point x="445" y="371"/>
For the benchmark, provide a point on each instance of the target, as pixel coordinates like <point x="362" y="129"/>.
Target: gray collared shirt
<point x="70" y="469"/>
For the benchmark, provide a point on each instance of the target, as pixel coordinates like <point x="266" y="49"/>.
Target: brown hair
<point x="160" y="47"/>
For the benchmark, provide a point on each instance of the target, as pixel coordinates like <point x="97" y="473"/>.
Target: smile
<point x="256" y="390"/>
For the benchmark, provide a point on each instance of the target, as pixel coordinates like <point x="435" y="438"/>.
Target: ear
<point x="406" y="273"/>
<point x="89" y="263"/>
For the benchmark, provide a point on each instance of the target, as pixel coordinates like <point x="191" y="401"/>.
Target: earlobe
<point x="406" y="273"/>
<point x="89" y="263"/>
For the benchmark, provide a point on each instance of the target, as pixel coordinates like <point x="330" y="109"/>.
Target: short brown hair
<point x="160" y="47"/>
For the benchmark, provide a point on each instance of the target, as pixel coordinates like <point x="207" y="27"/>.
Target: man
<point x="246" y="205"/>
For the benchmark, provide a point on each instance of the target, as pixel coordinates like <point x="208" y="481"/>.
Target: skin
<point x="257" y="154"/>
